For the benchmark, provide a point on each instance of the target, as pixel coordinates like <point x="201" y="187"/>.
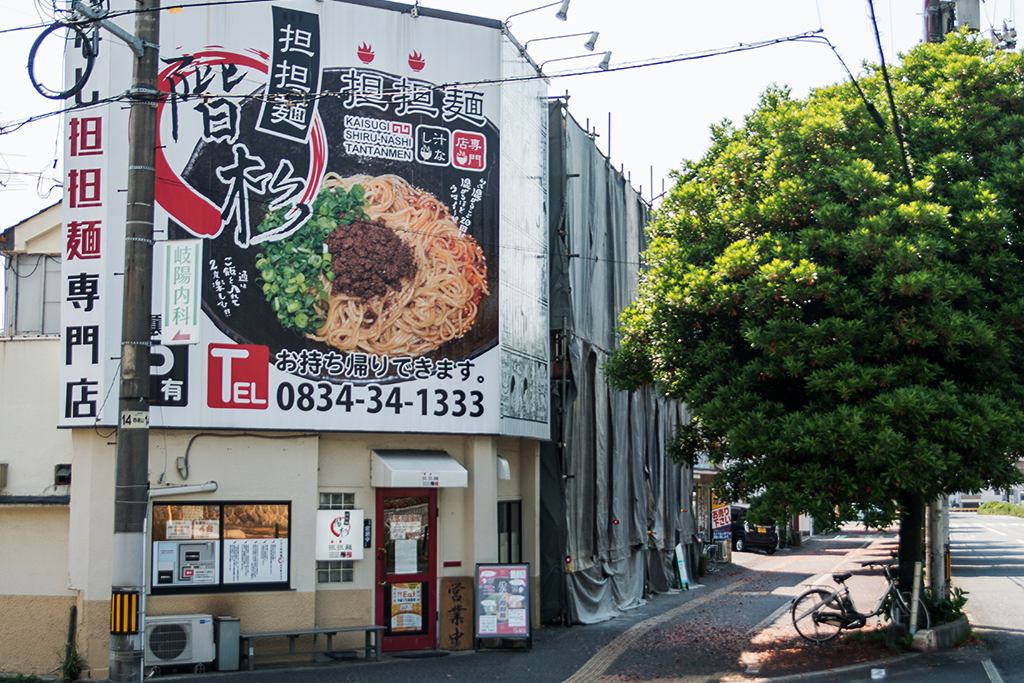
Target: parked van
<point x="747" y="535"/>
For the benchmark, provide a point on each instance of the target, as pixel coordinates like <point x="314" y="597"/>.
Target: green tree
<point x="848" y="342"/>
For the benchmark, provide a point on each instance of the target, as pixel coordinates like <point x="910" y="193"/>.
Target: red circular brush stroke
<point x="193" y="211"/>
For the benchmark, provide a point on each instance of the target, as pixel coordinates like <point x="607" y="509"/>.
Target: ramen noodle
<point x="438" y="304"/>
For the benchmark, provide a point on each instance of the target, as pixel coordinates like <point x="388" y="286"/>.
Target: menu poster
<point x="406" y="607"/>
<point x="255" y="560"/>
<point x="502" y="601"/>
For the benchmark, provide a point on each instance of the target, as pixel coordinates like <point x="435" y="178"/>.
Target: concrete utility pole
<point x="944" y="16"/>
<point x="938" y="547"/>
<point x="131" y="492"/>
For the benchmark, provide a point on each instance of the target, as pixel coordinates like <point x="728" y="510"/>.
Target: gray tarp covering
<point x="616" y="496"/>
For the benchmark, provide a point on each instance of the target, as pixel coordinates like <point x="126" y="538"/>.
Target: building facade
<point x="314" y="460"/>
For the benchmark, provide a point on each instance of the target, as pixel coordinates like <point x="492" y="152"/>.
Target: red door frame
<point x="428" y="640"/>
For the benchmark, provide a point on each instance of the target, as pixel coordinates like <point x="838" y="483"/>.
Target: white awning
<point x="416" y="470"/>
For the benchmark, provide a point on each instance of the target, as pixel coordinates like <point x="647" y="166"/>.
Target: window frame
<point x="22" y="275"/>
<point x="510" y="520"/>
<point x="220" y="585"/>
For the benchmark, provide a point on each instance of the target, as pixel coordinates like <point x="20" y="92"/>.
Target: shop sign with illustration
<point x="502" y="607"/>
<point x="339" y="535"/>
<point x="326" y="223"/>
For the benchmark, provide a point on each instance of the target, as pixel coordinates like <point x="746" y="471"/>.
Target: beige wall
<point x="76" y="542"/>
<point x="32" y="632"/>
<point x="32" y="445"/>
<point x="34" y="597"/>
<point x="34" y="555"/>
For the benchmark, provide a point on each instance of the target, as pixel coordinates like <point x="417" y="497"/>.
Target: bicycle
<point x="819" y="614"/>
<point x="710" y="551"/>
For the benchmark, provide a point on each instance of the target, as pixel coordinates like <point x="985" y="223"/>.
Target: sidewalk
<point x="735" y="626"/>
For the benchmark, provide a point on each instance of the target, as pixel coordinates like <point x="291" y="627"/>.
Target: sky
<point x="659" y="115"/>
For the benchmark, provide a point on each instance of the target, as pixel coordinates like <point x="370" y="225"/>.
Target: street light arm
<point x="560" y="14"/>
<point x="589" y="45"/>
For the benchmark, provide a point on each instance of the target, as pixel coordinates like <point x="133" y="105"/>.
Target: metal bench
<point x="248" y="641"/>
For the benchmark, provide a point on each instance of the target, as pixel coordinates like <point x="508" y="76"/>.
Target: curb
<point x="843" y="669"/>
<point x="942" y="637"/>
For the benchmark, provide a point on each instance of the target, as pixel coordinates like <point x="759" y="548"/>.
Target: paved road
<point x="988" y="562"/>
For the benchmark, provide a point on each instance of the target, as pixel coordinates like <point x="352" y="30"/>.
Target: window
<point x="339" y="571"/>
<point x="510" y="545"/>
<point x="32" y="304"/>
<point x="206" y="547"/>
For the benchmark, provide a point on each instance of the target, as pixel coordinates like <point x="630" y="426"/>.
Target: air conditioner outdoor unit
<point x="179" y="639"/>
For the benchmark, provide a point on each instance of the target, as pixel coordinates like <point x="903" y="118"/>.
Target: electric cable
<point x="88" y="51"/>
<point x="892" y="102"/>
<point x="809" y="36"/>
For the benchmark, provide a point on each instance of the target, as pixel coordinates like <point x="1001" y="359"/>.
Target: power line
<point x="809" y="36"/>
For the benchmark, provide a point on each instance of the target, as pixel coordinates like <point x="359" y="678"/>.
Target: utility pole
<point x="945" y="16"/>
<point x="938" y="547"/>
<point x="131" y="491"/>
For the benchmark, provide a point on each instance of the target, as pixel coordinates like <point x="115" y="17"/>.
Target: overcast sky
<point x="660" y="115"/>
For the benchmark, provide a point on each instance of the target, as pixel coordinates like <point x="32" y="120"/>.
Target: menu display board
<point x="502" y="602"/>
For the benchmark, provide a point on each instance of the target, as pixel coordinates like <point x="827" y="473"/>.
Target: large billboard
<point x="327" y="222"/>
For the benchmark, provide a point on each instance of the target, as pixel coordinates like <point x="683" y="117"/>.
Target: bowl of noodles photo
<point x="380" y="267"/>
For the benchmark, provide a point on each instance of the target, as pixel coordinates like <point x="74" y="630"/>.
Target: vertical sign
<point x="456" y="612"/>
<point x="182" y="277"/>
<point x="502" y="602"/>
<point x="721" y="518"/>
<point x="83" y="274"/>
<point x="294" y="85"/>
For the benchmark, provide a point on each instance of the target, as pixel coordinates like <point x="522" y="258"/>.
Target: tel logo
<point x="237" y="376"/>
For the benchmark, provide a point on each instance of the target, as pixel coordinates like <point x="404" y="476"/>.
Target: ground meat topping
<point x="368" y="258"/>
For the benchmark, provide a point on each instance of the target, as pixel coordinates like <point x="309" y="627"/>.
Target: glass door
<point x="406" y="568"/>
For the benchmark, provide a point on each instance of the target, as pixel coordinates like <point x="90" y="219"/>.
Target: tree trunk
<point x="911" y="539"/>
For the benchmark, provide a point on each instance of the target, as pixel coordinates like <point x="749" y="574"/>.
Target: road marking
<point x="993" y="530"/>
<point x="990" y="669"/>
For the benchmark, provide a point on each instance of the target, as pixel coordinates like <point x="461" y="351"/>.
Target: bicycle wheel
<point x="712" y="559"/>
<point x="899" y="611"/>
<point x="818" y="615"/>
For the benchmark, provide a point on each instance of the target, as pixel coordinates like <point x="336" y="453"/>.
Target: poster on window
<point x="502" y="608"/>
<point x="328" y="186"/>
<point x="255" y="560"/>
<point x="406" y="607"/>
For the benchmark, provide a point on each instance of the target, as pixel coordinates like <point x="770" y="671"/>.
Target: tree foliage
<point x="844" y="339"/>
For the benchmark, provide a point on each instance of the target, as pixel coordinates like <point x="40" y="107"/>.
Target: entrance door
<point x="407" y="568"/>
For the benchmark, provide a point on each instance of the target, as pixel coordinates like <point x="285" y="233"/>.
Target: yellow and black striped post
<point x="124" y="612"/>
